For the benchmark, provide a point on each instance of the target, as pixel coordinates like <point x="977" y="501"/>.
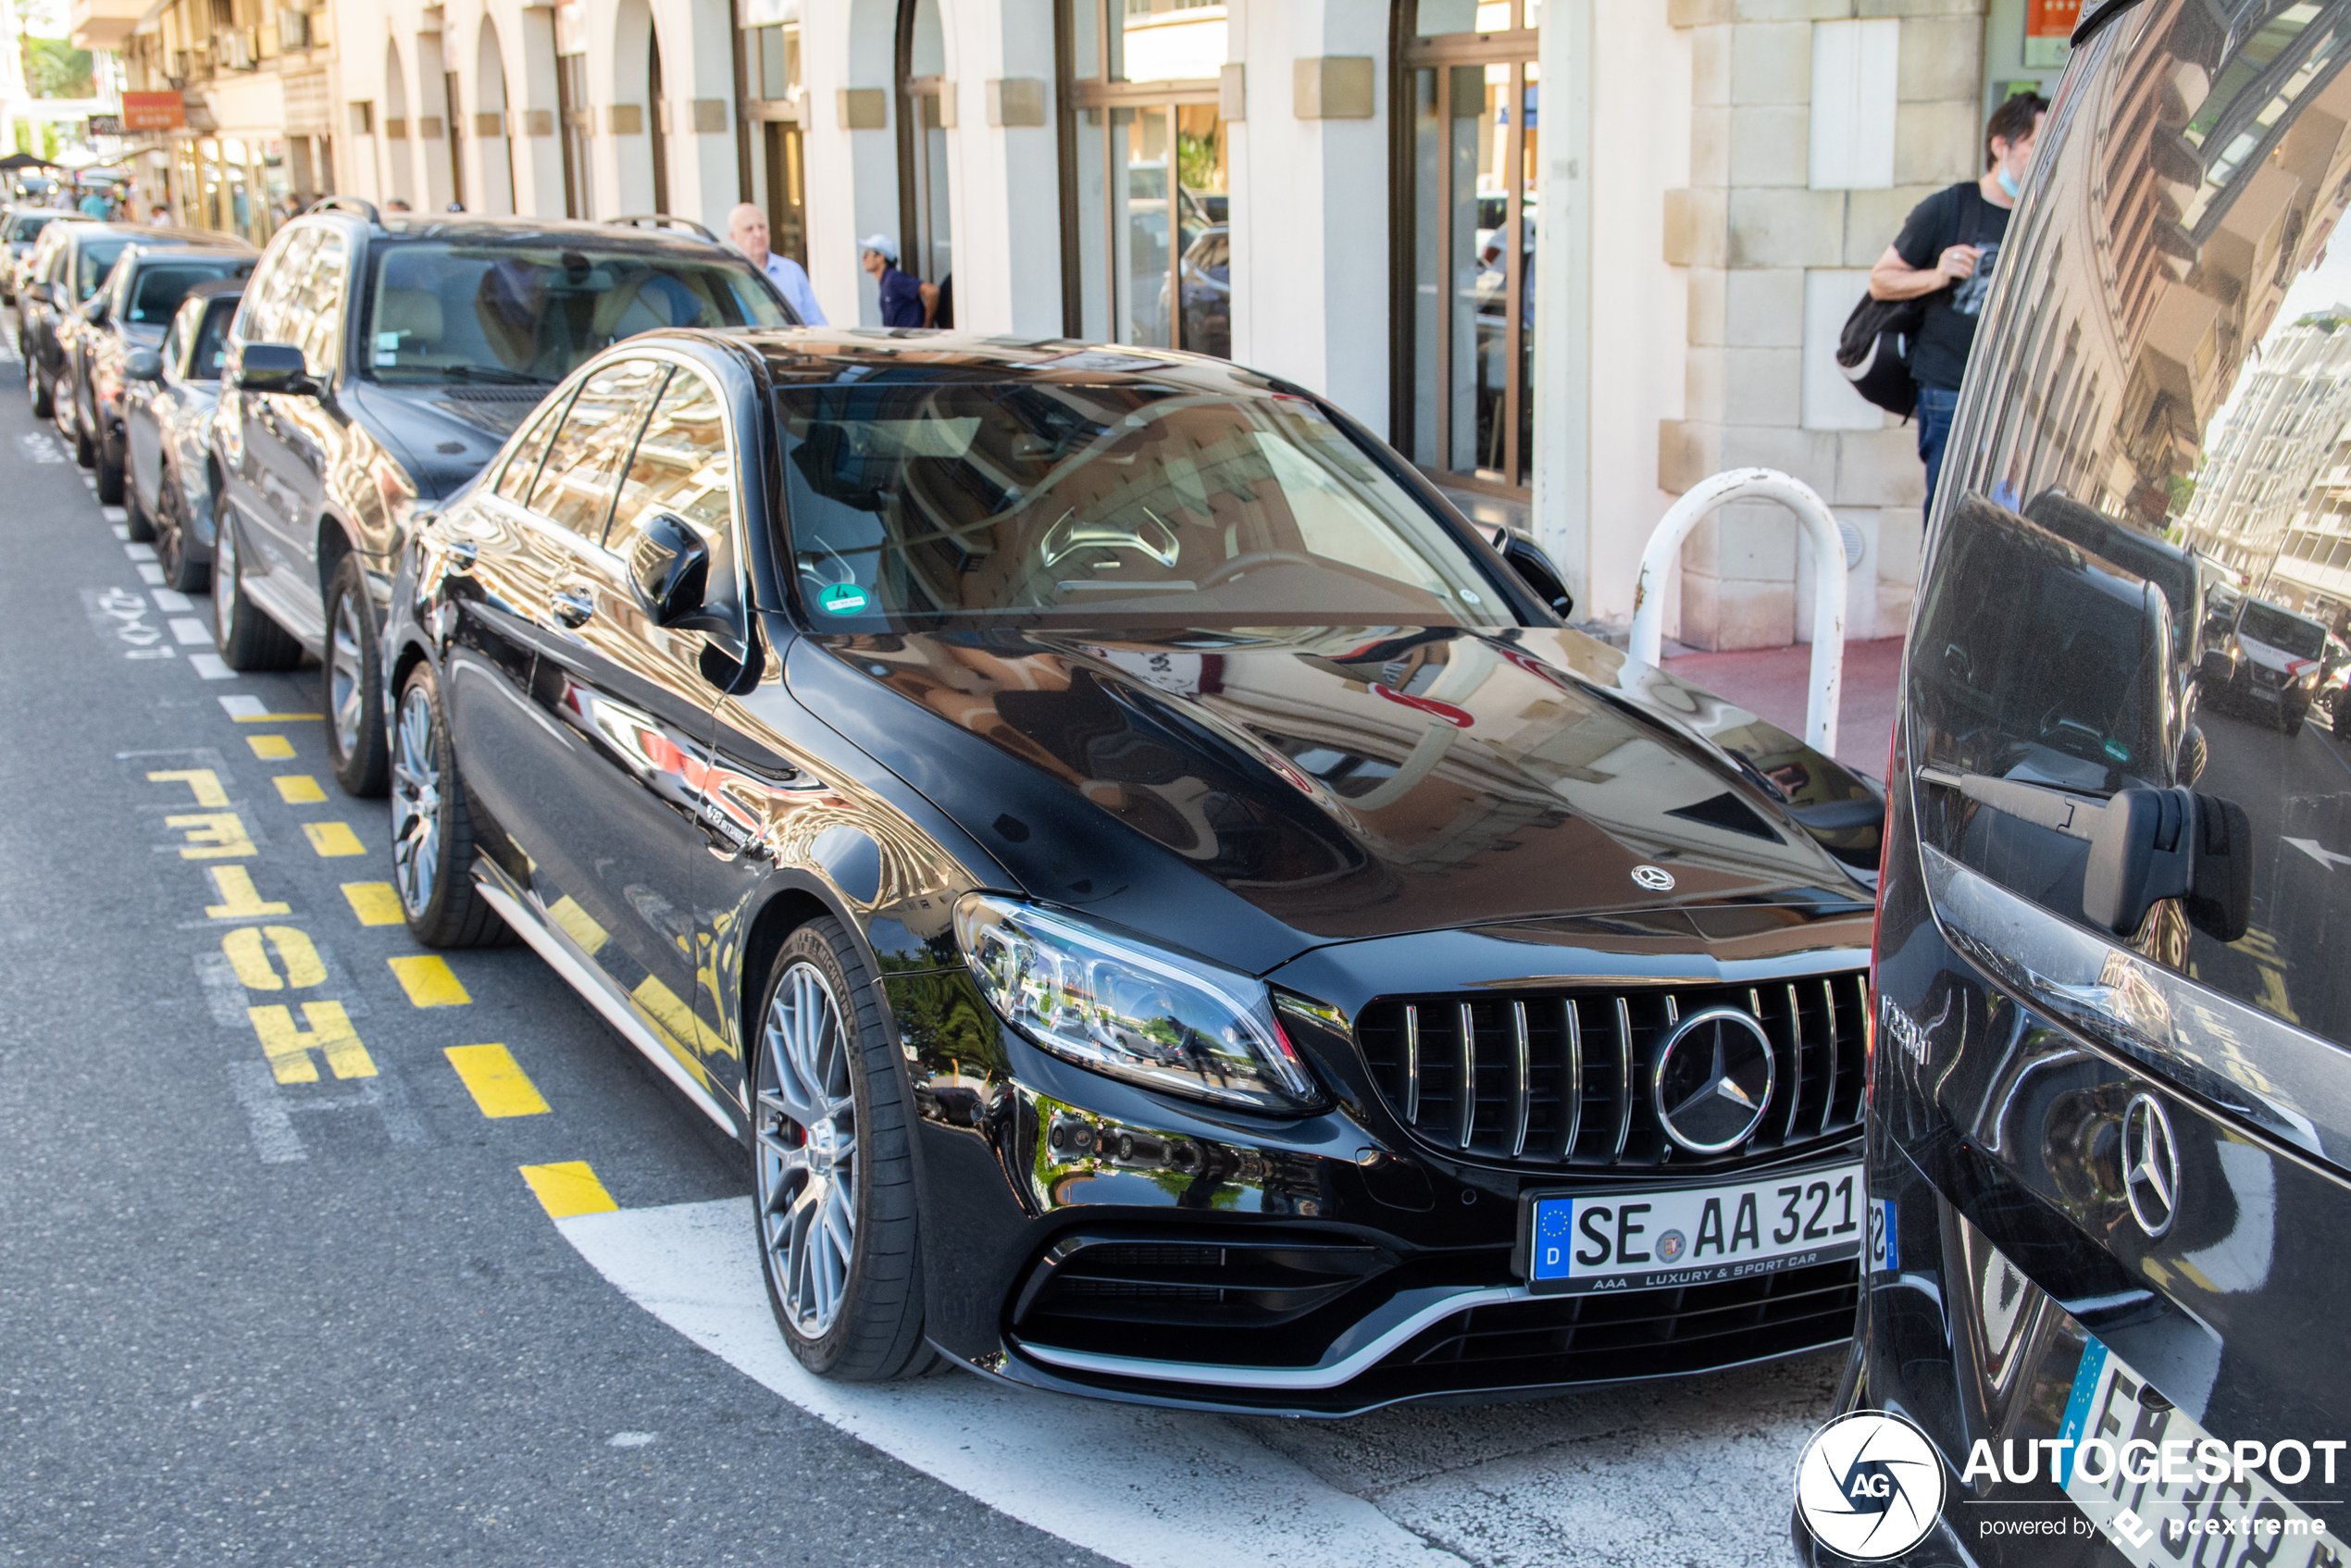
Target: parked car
<point x="2110" y="1141"/>
<point x="374" y="367"/>
<point x="20" y="226"/>
<point x="142" y="297"/>
<point x="1170" y="912"/>
<point x="169" y="398"/>
<point x="69" y="266"/>
<point x="2284" y="661"/>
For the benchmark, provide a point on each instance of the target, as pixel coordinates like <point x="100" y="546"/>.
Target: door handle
<point x="572" y="606"/>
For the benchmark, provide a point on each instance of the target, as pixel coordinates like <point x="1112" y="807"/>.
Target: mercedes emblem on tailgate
<point x="1656" y="878"/>
<point x="1713" y="1080"/>
<point x="2150" y="1165"/>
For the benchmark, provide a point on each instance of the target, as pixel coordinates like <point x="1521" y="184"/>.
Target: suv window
<point x="315" y="306"/>
<point x="211" y="351"/>
<point x="281" y="271"/>
<point x="575" y="489"/>
<point x="522" y="468"/>
<point x="95" y="264"/>
<point x="157" y="287"/>
<point x="681" y="467"/>
<point x="520" y="314"/>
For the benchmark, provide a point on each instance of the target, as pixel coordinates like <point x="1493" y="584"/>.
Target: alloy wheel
<point x="807" y="1154"/>
<point x="415" y="803"/>
<point x="224" y="584"/>
<point x="346" y="691"/>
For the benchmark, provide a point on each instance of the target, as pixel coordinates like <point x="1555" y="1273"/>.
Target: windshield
<point x="2286" y="633"/>
<point x="1047" y="503"/>
<point x="95" y="264"/>
<point x="29" y="225"/>
<point x="531" y="313"/>
<point x="156" y="291"/>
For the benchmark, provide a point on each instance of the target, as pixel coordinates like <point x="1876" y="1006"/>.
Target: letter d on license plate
<point x="1648" y="1240"/>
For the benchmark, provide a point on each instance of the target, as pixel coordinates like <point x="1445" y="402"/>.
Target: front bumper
<point x="1089" y="1236"/>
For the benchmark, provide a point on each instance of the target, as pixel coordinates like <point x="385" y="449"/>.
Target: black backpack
<point x="1875" y="348"/>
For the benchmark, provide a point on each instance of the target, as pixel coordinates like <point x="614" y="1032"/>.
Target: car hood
<point x="447" y="433"/>
<point x="1342" y="783"/>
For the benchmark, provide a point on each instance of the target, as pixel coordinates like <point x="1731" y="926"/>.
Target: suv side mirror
<point x="272" y="368"/>
<point x="93" y="310"/>
<point x="1535" y="569"/>
<point x="671" y="569"/>
<point x="144" y="365"/>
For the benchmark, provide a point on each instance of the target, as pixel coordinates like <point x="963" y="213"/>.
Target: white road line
<point x="1151" y="1488"/>
<point x="140" y="552"/>
<point x="151" y="574"/>
<point x="122" y="531"/>
<point x="173" y="599"/>
<point x="114" y="514"/>
<point x="212" y="666"/>
<point x="187" y="629"/>
<point x="239" y="706"/>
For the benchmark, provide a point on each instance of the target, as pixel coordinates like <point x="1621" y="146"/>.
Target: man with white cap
<point x="747" y="230"/>
<point x="902" y="296"/>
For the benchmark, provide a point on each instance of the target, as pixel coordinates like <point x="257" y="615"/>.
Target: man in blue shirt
<point x="902" y="296"/>
<point x="747" y="230"/>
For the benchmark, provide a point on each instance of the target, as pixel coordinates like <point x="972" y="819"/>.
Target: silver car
<point x="169" y="398"/>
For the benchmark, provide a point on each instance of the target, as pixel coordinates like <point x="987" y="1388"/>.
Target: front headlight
<point x="1151" y="1017"/>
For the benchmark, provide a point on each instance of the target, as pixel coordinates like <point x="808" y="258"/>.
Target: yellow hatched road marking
<point x="255" y="973"/>
<point x="239" y="898"/>
<point x="202" y="782"/>
<point x="330" y="1034"/>
<point x="298" y="790"/>
<point x="428" y="980"/>
<point x="214" y="835"/>
<point x="331" y="838"/>
<point x="375" y="902"/>
<point x="576" y="925"/>
<point x="569" y="1189"/>
<point x="271" y="748"/>
<point x="496" y="1080"/>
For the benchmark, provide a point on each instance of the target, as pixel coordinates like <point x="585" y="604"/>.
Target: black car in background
<point x="375" y="365"/>
<point x="2110" y="1142"/>
<point x="69" y="266"/>
<point x="170" y="393"/>
<point x="1171" y="914"/>
<point x="142" y="295"/>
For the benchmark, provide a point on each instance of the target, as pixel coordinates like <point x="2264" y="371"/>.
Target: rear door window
<point x="522" y="465"/>
<point x="575" y="485"/>
<point x="159" y="286"/>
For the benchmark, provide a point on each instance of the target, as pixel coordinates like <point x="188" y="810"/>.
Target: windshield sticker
<point x="843" y="599"/>
<point x="387" y="339"/>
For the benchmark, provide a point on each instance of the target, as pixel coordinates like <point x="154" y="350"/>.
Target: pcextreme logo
<point x="1869" y="1486"/>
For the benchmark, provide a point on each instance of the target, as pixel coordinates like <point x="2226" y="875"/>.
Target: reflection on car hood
<point x="2268" y="657"/>
<point x="1346" y="782"/>
<point x="447" y="432"/>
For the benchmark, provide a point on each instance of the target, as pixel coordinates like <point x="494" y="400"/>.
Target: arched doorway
<point x="493" y="125"/>
<point x="1144" y="184"/>
<point x="1467" y="107"/>
<point x="925" y="231"/>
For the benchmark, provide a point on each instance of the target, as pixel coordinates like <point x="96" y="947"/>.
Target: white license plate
<point x="2227" y="1523"/>
<point x="1589" y="1241"/>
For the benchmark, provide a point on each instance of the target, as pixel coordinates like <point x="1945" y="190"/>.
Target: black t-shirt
<point x="1959" y="215"/>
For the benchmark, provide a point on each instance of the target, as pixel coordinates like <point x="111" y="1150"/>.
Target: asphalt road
<point x="277" y="1287"/>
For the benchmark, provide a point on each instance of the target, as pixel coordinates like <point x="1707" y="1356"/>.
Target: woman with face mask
<point x="1945" y="256"/>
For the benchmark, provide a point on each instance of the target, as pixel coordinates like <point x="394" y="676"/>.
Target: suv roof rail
<point x="365" y="208"/>
<point x="662" y="221"/>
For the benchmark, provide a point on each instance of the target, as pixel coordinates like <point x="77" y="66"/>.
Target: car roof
<point x="466" y="229"/>
<point x="168" y="234"/>
<point x="818" y="355"/>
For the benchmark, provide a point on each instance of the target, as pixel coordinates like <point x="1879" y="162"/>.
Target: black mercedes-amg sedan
<point x="1170" y="910"/>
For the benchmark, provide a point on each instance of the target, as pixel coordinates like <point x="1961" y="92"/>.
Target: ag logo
<point x="1656" y="878"/>
<point x="1869" y="1486"/>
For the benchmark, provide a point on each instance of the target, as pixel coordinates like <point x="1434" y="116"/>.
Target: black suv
<point x="2109" y="1139"/>
<point x="379" y="363"/>
<point x="132" y="312"/>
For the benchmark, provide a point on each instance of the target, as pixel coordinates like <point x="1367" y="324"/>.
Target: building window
<point x="1467" y="162"/>
<point x="577" y="121"/>
<point x="926" y="228"/>
<point x="771" y="64"/>
<point x="1148" y="240"/>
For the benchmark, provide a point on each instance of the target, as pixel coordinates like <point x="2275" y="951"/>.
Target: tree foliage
<point x="55" y="68"/>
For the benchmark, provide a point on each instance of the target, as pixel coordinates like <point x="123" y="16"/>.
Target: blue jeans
<point x="1936" y="405"/>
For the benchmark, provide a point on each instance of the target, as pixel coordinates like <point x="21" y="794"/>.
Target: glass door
<point x="925" y="241"/>
<point x="1148" y="236"/>
<point x="1470" y="102"/>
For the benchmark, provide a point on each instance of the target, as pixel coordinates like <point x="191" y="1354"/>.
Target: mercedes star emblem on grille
<point x="2150" y="1165"/>
<point x="1656" y="878"/>
<point x="1713" y="1079"/>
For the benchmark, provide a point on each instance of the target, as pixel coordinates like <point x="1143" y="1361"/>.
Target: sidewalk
<point x="1774" y="682"/>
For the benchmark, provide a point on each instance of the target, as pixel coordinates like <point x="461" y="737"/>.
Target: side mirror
<point x="93" y="310"/>
<point x="671" y="569"/>
<point x="272" y="368"/>
<point x="1536" y="570"/>
<point x="144" y="365"/>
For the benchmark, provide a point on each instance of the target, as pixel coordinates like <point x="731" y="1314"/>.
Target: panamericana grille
<point x="1562" y="1079"/>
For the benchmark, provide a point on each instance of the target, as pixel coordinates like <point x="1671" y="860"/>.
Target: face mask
<point x="2008" y="182"/>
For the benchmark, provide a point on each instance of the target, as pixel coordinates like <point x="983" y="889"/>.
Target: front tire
<point x="833" y="1168"/>
<point x="433" y="849"/>
<point x="248" y="639"/>
<point x="110" y="482"/>
<point x="170" y="526"/>
<point x="36" y="386"/>
<point x="350" y="682"/>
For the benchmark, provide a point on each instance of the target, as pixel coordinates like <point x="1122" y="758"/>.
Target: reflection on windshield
<point x="1047" y="503"/>
<point x="2286" y="632"/>
<point x="520" y="314"/>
